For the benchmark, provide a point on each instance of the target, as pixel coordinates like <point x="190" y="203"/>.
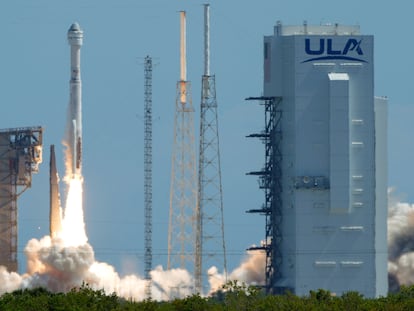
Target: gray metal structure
<point x="148" y="172"/>
<point x="20" y="155"/>
<point x="183" y="187"/>
<point x="210" y="243"/>
<point x="270" y="180"/>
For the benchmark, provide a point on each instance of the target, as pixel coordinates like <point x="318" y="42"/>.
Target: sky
<point x="34" y="79"/>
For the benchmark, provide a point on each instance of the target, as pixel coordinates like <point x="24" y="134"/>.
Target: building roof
<point x="326" y="29"/>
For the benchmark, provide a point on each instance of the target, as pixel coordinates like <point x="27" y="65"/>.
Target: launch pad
<point x="20" y="156"/>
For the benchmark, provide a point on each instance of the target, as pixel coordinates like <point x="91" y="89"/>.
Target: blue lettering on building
<point x="326" y="51"/>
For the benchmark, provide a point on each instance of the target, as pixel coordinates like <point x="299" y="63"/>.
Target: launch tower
<point x="183" y="187"/>
<point x="20" y="156"/>
<point x="210" y="244"/>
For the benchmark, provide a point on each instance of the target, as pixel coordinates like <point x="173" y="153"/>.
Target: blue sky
<point x="34" y="80"/>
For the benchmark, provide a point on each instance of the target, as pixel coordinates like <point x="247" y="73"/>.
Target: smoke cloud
<point x="9" y="281"/>
<point x="59" y="268"/>
<point x="54" y="265"/>
<point x="251" y="272"/>
<point x="400" y="242"/>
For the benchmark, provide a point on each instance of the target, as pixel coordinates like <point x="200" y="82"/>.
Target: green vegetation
<point x="234" y="296"/>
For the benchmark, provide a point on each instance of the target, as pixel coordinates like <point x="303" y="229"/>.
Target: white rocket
<point x="75" y="39"/>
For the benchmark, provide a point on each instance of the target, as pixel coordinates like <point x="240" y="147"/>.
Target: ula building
<point x="325" y="173"/>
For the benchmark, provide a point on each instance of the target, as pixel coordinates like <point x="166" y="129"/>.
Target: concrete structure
<point x="328" y="222"/>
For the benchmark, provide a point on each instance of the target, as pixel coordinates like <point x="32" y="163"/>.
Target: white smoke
<point x="400" y="242"/>
<point x="56" y="267"/>
<point x="9" y="281"/>
<point x="250" y="272"/>
<point x="59" y="268"/>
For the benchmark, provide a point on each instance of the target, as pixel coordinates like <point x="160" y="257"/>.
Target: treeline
<point x="233" y="297"/>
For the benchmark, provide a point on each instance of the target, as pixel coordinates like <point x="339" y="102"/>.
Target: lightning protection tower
<point x="210" y="245"/>
<point x="183" y="191"/>
<point x="20" y="155"/>
<point x="148" y="173"/>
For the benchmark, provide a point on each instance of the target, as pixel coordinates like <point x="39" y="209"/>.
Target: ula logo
<point x="352" y="47"/>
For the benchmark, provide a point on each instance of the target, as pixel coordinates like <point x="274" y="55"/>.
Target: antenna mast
<point x="183" y="192"/>
<point x="148" y="173"/>
<point x="210" y="244"/>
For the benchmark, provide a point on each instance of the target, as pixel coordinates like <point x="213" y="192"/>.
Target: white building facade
<point x="334" y="159"/>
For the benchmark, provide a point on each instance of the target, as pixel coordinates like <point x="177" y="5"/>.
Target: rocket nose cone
<point x="74" y="27"/>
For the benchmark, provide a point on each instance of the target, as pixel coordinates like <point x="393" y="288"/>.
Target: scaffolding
<point x="20" y="156"/>
<point x="270" y="180"/>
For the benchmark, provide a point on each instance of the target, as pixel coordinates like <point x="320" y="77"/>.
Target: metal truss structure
<point x="20" y="156"/>
<point x="183" y="187"/>
<point x="270" y="180"/>
<point x="148" y="172"/>
<point x="210" y="244"/>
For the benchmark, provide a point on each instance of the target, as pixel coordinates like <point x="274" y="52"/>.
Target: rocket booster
<point x="75" y="39"/>
<point x="55" y="212"/>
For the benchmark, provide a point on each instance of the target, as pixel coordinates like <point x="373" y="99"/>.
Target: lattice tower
<point x="210" y="244"/>
<point x="148" y="173"/>
<point x="183" y="191"/>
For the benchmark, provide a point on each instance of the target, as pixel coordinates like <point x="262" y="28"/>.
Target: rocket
<point x="74" y="134"/>
<point x="55" y="216"/>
